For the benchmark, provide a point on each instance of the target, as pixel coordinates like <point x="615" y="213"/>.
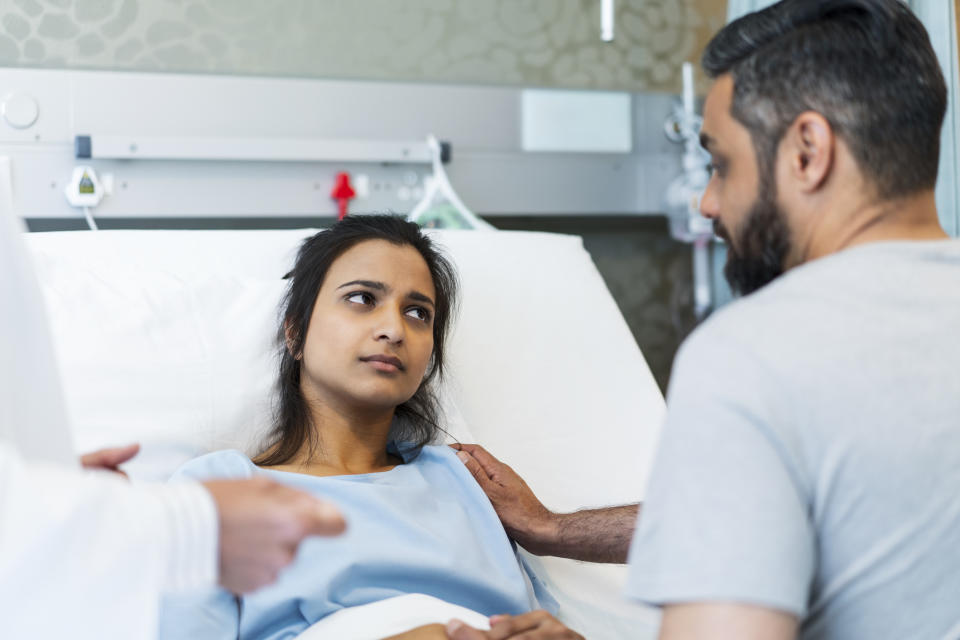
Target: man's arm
<point x="592" y="535"/>
<point x="723" y="621"/>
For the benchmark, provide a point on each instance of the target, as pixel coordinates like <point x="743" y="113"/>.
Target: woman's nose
<point x="390" y="326"/>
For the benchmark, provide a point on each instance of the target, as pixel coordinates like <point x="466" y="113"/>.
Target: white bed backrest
<point x="166" y="337"/>
<point x="546" y="371"/>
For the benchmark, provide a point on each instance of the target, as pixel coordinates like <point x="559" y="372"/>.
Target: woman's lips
<point x="384" y="363"/>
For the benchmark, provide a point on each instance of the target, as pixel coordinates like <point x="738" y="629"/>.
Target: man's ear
<point x="810" y="149"/>
<point x="290" y="339"/>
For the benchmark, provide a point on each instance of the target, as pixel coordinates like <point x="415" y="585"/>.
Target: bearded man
<point x="806" y="482"/>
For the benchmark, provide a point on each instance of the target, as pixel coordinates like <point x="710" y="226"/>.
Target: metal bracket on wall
<point x="255" y="149"/>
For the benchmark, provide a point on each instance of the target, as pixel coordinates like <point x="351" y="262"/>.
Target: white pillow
<point x="546" y="371"/>
<point x="175" y="353"/>
<point x="182" y="367"/>
<point x="165" y="338"/>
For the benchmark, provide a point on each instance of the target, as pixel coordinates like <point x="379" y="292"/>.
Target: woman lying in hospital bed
<point x="365" y="323"/>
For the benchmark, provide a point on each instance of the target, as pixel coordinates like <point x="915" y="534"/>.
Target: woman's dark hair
<point x="416" y="420"/>
<point x="867" y="66"/>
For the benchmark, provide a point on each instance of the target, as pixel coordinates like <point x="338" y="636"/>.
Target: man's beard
<point x="757" y="257"/>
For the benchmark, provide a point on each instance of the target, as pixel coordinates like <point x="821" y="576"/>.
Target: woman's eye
<point x="419" y="313"/>
<point x="360" y="297"/>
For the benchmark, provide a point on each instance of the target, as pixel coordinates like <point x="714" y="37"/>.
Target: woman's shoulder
<point x="435" y="452"/>
<point x="442" y="459"/>
<point x="226" y="463"/>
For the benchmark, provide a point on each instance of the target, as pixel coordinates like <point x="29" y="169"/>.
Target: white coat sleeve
<point x="89" y="555"/>
<point x="81" y="555"/>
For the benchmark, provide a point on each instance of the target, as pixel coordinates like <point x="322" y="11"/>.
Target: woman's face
<point x="370" y="336"/>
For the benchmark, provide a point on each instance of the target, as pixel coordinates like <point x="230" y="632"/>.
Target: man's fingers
<point x="502" y="627"/>
<point x="457" y="630"/>
<point x="304" y="514"/>
<point x="110" y="458"/>
<point x="262" y="524"/>
<point x="536" y="624"/>
<point x="489" y="463"/>
<point x="119" y="455"/>
<point x="324" y="519"/>
<point x="508" y="626"/>
<point x="469" y="448"/>
<point x="474" y="468"/>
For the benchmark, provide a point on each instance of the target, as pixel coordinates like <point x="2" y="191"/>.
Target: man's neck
<point x="913" y="218"/>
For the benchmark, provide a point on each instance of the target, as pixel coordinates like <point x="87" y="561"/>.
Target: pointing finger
<point x="110" y="458"/>
<point x="324" y="519"/>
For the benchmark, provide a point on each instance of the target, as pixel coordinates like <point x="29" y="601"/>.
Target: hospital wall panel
<point x="490" y="170"/>
<point x="553" y="43"/>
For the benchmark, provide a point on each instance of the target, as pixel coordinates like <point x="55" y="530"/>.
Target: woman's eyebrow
<point x="380" y="286"/>
<point x="420" y="297"/>
<point x="372" y="284"/>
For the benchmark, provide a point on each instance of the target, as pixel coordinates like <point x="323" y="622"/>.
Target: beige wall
<point x="497" y="42"/>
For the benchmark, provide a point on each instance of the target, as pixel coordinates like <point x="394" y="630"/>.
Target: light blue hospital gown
<point x="422" y="527"/>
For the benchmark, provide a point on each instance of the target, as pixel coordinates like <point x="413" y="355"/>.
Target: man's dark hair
<point x="867" y="66"/>
<point x="416" y="421"/>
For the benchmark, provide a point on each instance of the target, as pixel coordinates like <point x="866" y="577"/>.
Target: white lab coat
<point x="82" y="555"/>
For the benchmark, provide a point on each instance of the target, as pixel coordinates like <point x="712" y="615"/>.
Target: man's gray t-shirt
<point x="810" y="460"/>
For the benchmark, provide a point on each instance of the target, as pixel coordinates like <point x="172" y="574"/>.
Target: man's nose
<point x="709" y="206"/>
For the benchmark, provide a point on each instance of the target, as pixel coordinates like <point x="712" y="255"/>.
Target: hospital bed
<point x="166" y="338"/>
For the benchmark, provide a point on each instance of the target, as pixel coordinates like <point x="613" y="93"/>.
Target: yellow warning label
<point x="86" y="184"/>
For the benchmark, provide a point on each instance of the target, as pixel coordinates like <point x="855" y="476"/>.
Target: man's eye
<point x="715" y="168"/>
<point x="360" y="297"/>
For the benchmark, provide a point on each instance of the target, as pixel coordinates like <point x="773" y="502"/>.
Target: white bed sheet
<point x="389" y="617"/>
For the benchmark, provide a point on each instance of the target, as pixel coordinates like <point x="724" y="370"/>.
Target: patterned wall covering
<point x="501" y="42"/>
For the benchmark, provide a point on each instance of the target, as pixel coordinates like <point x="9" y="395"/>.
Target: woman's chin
<point x="379" y="400"/>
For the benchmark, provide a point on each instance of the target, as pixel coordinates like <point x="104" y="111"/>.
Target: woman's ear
<point x="289" y="335"/>
<point x="431" y="369"/>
